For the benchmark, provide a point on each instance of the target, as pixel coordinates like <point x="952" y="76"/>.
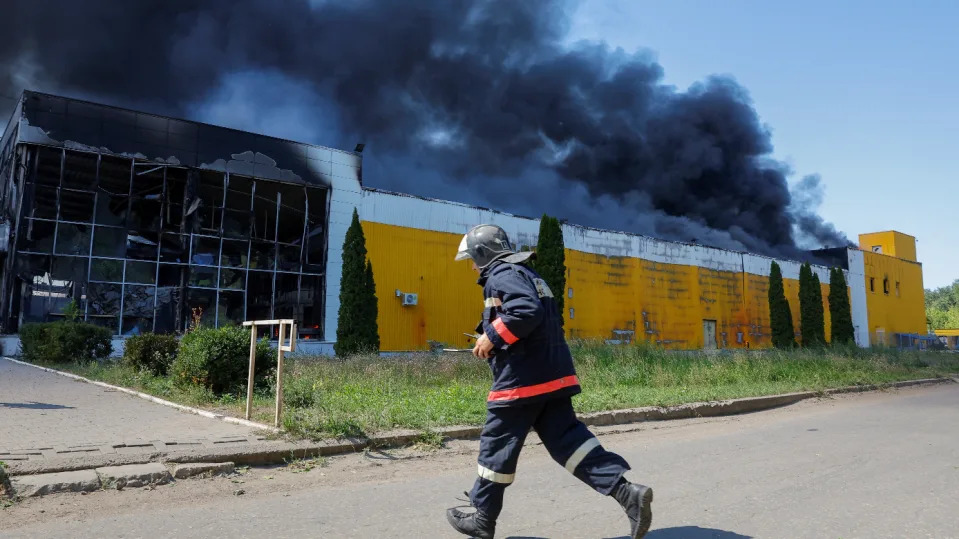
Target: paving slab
<point x="44" y="415"/>
<point x="183" y="471"/>
<point x="27" y="486"/>
<point x="134" y="475"/>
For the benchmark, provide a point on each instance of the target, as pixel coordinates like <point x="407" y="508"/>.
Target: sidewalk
<point x="45" y="416"/>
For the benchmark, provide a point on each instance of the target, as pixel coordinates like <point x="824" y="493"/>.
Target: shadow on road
<point x="693" y="532"/>
<point x="680" y="532"/>
<point x="33" y="405"/>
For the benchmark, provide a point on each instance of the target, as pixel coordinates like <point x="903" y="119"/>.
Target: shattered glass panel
<point x="109" y="242"/>
<point x="115" y="175"/>
<point x="80" y="171"/>
<point x="173" y="274"/>
<point x="141" y="272"/>
<point x="168" y="301"/>
<point x="73" y="239"/>
<point x="208" y="219"/>
<point x="138" y="309"/>
<point x="210" y="188"/>
<point x="234" y="253"/>
<point x="264" y="210"/>
<point x="44" y="202"/>
<point x="173" y="218"/>
<point x="262" y="255"/>
<point x="148" y="182"/>
<point x="206" y="251"/>
<point x="48" y="166"/>
<point x="259" y="293"/>
<point x="286" y="296"/>
<point x="70" y="273"/>
<point x="292" y="214"/>
<point x="238" y="194"/>
<point x="33" y="271"/>
<point x="203" y="276"/>
<point x="142" y="245"/>
<point x="289" y="259"/>
<point x="205" y="301"/>
<point x="103" y="304"/>
<point x="316" y="229"/>
<point x="311" y="298"/>
<point x="235" y="279"/>
<point x="236" y="224"/>
<point x="174" y="248"/>
<point x="76" y="206"/>
<point x="36" y="236"/>
<point x="102" y="269"/>
<point x="145" y="214"/>
<point x="111" y="209"/>
<point x="230" y="308"/>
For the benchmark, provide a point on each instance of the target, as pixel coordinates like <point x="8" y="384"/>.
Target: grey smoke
<point x="477" y="101"/>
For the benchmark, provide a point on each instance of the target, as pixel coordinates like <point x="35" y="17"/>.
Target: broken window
<point x="36" y="236"/>
<point x="148" y="182"/>
<point x="234" y="279"/>
<point x="111" y="209"/>
<point x="204" y="277"/>
<point x="234" y="253"/>
<point x="230" y="308"/>
<point x="264" y="210"/>
<point x="48" y="166"/>
<point x="289" y="258"/>
<point x="286" y="296"/>
<point x="142" y="244"/>
<point x="44" y="204"/>
<point x="144" y="214"/>
<point x="141" y="272"/>
<point x="262" y="255"/>
<point x="109" y="242"/>
<point x="103" y="304"/>
<point x="70" y="273"/>
<point x="311" y="305"/>
<point x="174" y="248"/>
<point x="239" y="193"/>
<point x="73" y="239"/>
<point x="80" y="171"/>
<point x="115" y="176"/>
<point x="259" y="293"/>
<point x="316" y="229"/>
<point x="204" y="302"/>
<point x="102" y="269"/>
<point x="206" y="251"/>
<point x="292" y="214"/>
<point x="138" y="309"/>
<point x="76" y="206"/>
<point x="34" y="274"/>
<point x="885" y="286"/>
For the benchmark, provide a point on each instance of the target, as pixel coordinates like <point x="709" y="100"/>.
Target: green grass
<point x="350" y="397"/>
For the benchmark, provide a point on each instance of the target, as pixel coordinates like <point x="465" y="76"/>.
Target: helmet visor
<point x="462" y="253"/>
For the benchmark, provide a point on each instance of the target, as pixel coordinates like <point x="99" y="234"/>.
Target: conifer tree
<point x="550" y="260"/>
<point x="356" y="329"/>
<point x="840" y="312"/>
<point x="780" y="317"/>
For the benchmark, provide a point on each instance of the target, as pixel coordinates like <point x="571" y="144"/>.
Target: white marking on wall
<point x="856" y="279"/>
<point x="346" y="193"/>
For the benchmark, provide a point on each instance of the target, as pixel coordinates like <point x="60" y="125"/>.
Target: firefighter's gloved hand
<point x="483" y="348"/>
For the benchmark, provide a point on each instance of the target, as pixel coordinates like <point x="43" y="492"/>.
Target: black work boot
<point x="636" y="500"/>
<point x="474" y="524"/>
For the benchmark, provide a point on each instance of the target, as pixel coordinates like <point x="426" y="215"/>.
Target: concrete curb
<point x="275" y="452"/>
<point x="151" y="398"/>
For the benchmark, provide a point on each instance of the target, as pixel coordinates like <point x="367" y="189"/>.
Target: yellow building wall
<point x="903" y="308"/>
<point x="617" y="298"/>
<point x="892" y="243"/>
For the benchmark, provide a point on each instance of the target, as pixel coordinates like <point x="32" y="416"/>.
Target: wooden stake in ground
<point x="249" y="382"/>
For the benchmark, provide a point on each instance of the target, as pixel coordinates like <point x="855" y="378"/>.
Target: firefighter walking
<point x="533" y="383"/>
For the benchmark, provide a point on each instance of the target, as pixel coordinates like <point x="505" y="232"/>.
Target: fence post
<point x="279" y="374"/>
<point x="249" y="382"/>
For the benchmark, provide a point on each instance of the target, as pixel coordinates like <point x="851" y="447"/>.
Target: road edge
<point x="151" y="398"/>
<point x="279" y="452"/>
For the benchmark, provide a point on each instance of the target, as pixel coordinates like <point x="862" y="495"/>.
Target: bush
<point x="218" y="359"/>
<point x="64" y="342"/>
<point x="151" y="352"/>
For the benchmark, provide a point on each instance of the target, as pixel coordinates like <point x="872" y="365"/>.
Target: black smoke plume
<point x="478" y="101"/>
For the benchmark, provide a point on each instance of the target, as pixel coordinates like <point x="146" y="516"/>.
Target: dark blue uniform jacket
<point x="531" y="358"/>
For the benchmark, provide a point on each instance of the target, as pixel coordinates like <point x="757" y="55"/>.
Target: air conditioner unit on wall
<point x="409" y="299"/>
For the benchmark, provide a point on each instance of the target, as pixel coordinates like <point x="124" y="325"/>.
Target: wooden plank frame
<point x="281" y="349"/>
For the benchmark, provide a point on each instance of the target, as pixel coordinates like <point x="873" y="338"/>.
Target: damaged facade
<point x="142" y="219"/>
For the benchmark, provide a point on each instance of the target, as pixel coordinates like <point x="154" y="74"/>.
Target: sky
<point x="866" y="94"/>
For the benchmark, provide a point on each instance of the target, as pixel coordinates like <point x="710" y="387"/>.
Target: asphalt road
<point x="862" y="466"/>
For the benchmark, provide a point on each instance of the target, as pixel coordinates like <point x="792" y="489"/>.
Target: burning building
<point x="145" y="222"/>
